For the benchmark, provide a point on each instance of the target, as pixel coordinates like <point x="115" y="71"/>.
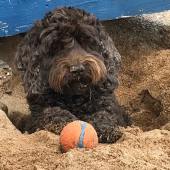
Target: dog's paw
<point x="106" y="125"/>
<point x="54" y="119"/>
<point x="108" y="134"/>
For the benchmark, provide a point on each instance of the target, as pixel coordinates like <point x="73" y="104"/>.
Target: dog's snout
<point x="77" y="68"/>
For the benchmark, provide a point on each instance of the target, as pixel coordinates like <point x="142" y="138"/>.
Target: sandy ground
<point x="144" y="91"/>
<point x="39" y="151"/>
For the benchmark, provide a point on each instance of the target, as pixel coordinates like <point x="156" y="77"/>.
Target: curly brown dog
<point x="69" y="67"/>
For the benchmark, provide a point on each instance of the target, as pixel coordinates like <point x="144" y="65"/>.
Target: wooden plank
<point x="17" y="16"/>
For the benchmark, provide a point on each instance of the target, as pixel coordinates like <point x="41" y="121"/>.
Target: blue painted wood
<point x="17" y="16"/>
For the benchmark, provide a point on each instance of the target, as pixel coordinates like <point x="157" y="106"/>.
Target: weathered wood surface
<point x="17" y="16"/>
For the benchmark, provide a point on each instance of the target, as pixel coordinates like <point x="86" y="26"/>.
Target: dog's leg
<point x="52" y="119"/>
<point x="107" y="119"/>
<point x="106" y="126"/>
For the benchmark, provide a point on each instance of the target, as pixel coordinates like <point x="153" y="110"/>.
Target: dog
<point x="69" y="67"/>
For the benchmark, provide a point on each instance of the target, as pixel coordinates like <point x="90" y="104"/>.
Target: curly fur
<point x="47" y="57"/>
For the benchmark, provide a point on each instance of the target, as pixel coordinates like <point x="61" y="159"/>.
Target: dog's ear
<point x="27" y="49"/>
<point x="27" y="61"/>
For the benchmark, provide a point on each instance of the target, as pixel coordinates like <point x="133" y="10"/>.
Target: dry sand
<point x="39" y="151"/>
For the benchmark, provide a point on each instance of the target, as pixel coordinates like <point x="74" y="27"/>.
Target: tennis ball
<point x="78" y="134"/>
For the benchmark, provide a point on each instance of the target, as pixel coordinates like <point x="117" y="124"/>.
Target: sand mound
<point x="39" y="151"/>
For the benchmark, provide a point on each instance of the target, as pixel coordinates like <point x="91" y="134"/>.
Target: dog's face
<point x="76" y="72"/>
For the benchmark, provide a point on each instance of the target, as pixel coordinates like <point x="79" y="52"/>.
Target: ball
<point x="78" y="134"/>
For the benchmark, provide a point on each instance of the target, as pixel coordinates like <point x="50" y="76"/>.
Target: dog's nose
<point x="77" y="68"/>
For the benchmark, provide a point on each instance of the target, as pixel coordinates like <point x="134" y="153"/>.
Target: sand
<point x="40" y="151"/>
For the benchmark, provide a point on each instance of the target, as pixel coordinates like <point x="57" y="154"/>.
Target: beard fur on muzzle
<point x="57" y="75"/>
